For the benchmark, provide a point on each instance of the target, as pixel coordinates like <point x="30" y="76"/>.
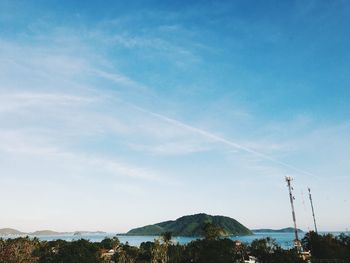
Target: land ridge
<point x="281" y="230"/>
<point x="192" y="225"/>
<point x="45" y="232"/>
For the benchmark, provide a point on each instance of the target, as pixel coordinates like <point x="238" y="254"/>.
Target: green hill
<point x="192" y="225"/>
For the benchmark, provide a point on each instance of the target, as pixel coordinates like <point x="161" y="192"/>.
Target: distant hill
<point x="46" y="233"/>
<point x="282" y="230"/>
<point x="79" y="233"/>
<point x="10" y="231"/>
<point x="192" y="225"/>
<point x="14" y="232"/>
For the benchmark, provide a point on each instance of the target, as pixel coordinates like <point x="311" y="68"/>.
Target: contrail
<point x="120" y="78"/>
<point x="219" y="139"/>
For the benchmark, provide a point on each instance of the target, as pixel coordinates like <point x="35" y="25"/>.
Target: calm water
<point x="283" y="239"/>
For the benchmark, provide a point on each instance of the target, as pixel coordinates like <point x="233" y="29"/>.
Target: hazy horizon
<point x="69" y="230"/>
<point x="120" y="114"/>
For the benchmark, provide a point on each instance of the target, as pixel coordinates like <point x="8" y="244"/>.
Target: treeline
<point x="209" y="249"/>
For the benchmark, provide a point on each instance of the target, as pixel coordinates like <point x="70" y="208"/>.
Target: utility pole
<point x="297" y="243"/>
<point x="312" y="208"/>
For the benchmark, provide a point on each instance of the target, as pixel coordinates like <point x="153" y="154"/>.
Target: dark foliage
<point x="68" y="252"/>
<point x="210" y="249"/>
<point x="18" y="250"/>
<point x="109" y="243"/>
<point x="268" y="251"/>
<point x="327" y="247"/>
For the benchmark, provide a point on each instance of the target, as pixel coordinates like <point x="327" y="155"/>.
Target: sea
<point x="285" y="240"/>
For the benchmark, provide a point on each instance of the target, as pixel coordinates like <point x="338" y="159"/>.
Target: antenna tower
<point x="297" y="242"/>
<point x="312" y="208"/>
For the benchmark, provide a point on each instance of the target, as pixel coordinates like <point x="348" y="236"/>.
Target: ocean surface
<point x="285" y="240"/>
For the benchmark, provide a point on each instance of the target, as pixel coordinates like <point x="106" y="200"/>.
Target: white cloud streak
<point x="19" y="144"/>
<point x="14" y="101"/>
<point x="220" y="139"/>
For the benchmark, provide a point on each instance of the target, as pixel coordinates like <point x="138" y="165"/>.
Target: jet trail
<point x="219" y="139"/>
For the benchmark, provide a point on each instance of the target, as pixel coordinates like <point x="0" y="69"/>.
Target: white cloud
<point x="167" y="135"/>
<point x="10" y="102"/>
<point x="178" y="147"/>
<point x="21" y="146"/>
<point x="119" y="79"/>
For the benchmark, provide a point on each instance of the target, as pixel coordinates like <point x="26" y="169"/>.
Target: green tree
<point x="47" y="251"/>
<point x="211" y="231"/>
<point x="157" y="251"/>
<point x="78" y="251"/>
<point x="18" y="250"/>
<point x="110" y="243"/>
<point x="326" y="247"/>
<point x="126" y="254"/>
<point x="166" y="238"/>
<point x="210" y="251"/>
<point x="268" y="251"/>
<point x="145" y="251"/>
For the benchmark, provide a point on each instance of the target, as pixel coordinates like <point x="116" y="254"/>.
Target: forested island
<point x="192" y="226"/>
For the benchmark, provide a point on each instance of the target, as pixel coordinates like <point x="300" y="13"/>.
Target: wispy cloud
<point x="119" y="79"/>
<point x="177" y="147"/>
<point x="225" y="141"/>
<point x="20" y="144"/>
<point x="15" y="101"/>
<point x="60" y="64"/>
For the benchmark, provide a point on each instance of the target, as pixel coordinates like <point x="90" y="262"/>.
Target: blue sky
<point x="119" y="114"/>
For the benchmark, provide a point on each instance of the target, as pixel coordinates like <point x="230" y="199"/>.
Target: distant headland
<point x="282" y="230"/>
<point x="15" y="232"/>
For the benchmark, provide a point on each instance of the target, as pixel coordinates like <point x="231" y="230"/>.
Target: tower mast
<point x="312" y="208"/>
<point x="297" y="243"/>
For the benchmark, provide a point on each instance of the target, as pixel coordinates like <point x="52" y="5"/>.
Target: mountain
<point x="283" y="230"/>
<point x="192" y="225"/>
<point x="46" y="233"/>
<point x="13" y="232"/>
<point x="10" y="231"/>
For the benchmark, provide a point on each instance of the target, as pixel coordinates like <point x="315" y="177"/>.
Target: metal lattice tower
<point x="312" y="208"/>
<point x="297" y="243"/>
